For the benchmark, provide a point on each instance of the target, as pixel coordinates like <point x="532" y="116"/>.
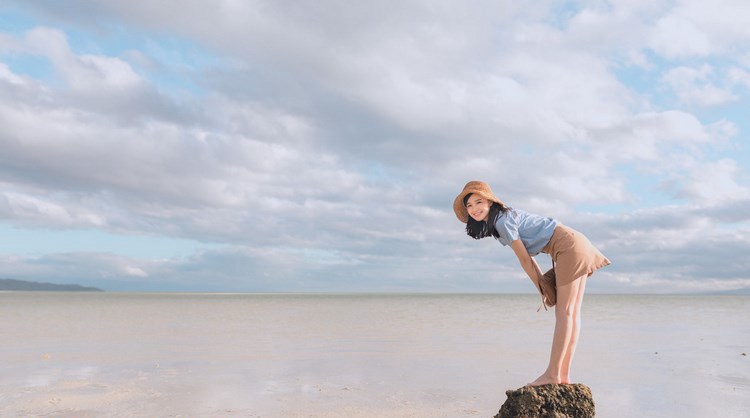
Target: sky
<point x="287" y="146"/>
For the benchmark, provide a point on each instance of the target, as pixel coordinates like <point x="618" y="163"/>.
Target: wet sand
<point x="360" y="356"/>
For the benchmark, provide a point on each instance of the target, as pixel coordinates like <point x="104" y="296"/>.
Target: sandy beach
<point x="326" y="356"/>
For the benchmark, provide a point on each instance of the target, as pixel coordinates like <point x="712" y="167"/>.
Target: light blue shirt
<point x="534" y="231"/>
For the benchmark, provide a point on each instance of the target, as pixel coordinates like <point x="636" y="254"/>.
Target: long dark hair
<point x="482" y="229"/>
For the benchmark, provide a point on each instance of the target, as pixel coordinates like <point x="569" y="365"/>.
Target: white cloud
<point x="324" y="145"/>
<point x="36" y="210"/>
<point x="693" y="28"/>
<point x="649" y="138"/>
<point x="738" y="76"/>
<point x="7" y="76"/>
<point x="88" y="73"/>
<point x="676" y="36"/>
<point x="714" y="182"/>
<point x="695" y="86"/>
<point x="134" y="271"/>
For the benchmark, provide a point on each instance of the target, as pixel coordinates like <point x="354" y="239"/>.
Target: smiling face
<point x="478" y="207"/>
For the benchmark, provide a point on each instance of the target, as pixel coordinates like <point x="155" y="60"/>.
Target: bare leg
<point x="565" y="338"/>
<point x="570" y="352"/>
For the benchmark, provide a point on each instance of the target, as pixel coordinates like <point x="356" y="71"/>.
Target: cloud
<point x="97" y="269"/>
<point x="695" y="86"/>
<point x="323" y="145"/>
<point x="675" y="36"/>
<point x="693" y="28"/>
<point x="7" y="76"/>
<point x="134" y="271"/>
<point x="714" y="181"/>
<point x="645" y="136"/>
<point x="738" y="76"/>
<point x="35" y="210"/>
<point x="84" y="72"/>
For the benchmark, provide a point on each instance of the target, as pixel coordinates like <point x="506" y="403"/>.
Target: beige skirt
<point x="573" y="255"/>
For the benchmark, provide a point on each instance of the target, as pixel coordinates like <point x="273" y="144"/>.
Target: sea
<point x="83" y="354"/>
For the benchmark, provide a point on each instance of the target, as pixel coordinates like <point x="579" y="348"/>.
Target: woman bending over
<point x="574" y="259"/>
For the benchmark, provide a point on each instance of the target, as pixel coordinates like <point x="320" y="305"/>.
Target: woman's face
<point x="478" y="207"/>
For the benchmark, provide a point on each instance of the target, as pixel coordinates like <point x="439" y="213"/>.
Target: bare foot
<point x="545" y="379"/>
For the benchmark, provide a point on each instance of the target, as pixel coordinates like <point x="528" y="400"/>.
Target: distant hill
<point x="20" y="285"/>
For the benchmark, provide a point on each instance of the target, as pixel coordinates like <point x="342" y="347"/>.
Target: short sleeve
<point x="507" y="228"/>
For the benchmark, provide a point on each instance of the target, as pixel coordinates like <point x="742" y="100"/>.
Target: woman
<point x="574" y="259"/>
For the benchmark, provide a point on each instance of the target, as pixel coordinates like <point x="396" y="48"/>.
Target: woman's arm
<point x="527" y="262"/>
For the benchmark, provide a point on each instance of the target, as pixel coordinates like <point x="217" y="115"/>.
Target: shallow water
<point x="132" y="355"/>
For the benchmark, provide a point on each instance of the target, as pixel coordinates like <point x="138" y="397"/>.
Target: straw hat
<point x="479" y="187"/>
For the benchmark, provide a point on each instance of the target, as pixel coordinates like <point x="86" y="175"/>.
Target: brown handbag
<point x="548" y="288"/>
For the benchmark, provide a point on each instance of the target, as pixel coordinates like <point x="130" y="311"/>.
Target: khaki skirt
<point x="573" y="255"/>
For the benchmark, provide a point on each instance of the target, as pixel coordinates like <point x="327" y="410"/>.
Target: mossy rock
<point x="548" y="401"/>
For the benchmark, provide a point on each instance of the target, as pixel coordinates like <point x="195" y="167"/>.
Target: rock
<point x="548" y="401"/>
